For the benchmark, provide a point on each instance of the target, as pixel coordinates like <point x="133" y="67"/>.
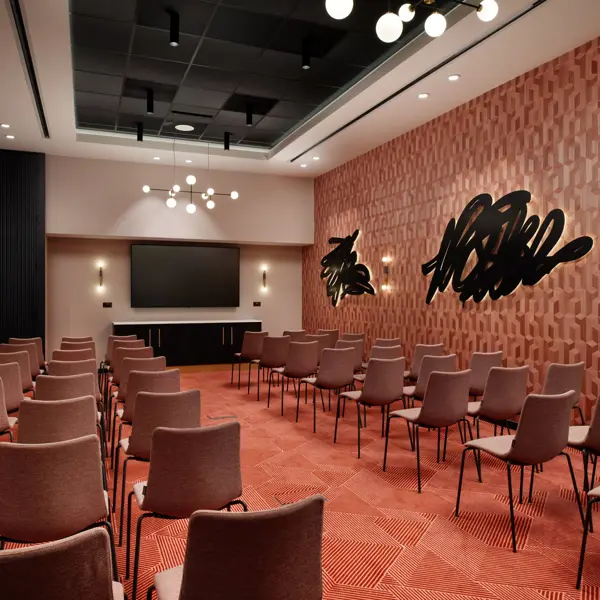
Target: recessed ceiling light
<point x="5" y="126"/>
<point x="10" y="137"/>
<point x="423" y="96"/>
<point x="157" y="158"/>
<point x="303" y="166"/>
<point x="187" y="160"/>
<point x="184" y="128"/>
<point x="454" y="77"/>
<point x="316" y="158"/>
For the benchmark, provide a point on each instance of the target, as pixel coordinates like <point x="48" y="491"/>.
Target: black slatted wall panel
<point x="22" y="244"/>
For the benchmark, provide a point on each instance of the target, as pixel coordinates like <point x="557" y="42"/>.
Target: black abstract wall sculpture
<point x="494" y="246"/>
<point x="342" y="271"/>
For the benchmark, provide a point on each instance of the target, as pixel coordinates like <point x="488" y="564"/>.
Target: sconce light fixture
<point x="264" y="289"/>
<point x="100" y="265"/>
<point x="386" y="274"/>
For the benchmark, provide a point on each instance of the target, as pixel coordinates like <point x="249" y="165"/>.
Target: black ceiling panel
<point x="231" y="54"/>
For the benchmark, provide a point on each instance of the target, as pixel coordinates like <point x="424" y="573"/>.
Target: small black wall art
<point x="342" y="271"/>
<point x="494" y="246"/>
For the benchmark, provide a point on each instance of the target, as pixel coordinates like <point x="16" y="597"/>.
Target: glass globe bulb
<point x="435" y="25"/>
<point x="210" y="204"/>
<point x="210" y="191"/>
<point x="191" y="208"/>
<point x="339" y="9"/>
<point x="176" y="188"/>
<point x="406" y="12"/>
<point x="205" y="196"/>
<point x="234" y="195"/>
<point x="488" y="9"/>
<point x="389" y="27"/>
<point x="171" y="202"/>
<point x="190" y="180"/>
<point x="146" y="189"/>
<point x="171" y="193"/>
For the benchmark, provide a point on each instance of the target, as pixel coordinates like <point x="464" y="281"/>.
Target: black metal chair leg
<point x="586" y="483"/>
<point x="322" y="400"/>
<point x="575" y="487"/>
<point x="418" y="458"/>
<point x="239" y="370"/>
<point x="136" y="562"/>
<point x="258" y="383"/>
<point x="249" y="375"/>
<point x="128" y="536"/>
<point x="149" y="592"/>
<point x="445" y="445"/>
<point x="337" y="417"/>
<point x="588" y="520"/>
<point x="288" y="385"/>
<point x="439" y="442"/>
<point x="410" y="437"/>
<point x="113" y="550"/>
<point x="298" y="399"/>
<point x="123" y="483"/>
<point x="460" y="480"/>
<point x="116" y="476"/>
<point x="595" y="459"/>
<point x="531" y="484"/>
<point x="359" y="426"/>
<point x="232" y="373"/>
<point x="314" y="409"/>
<point x="578" y="408"/>
<point x="522" y="477"/>
<point x="387" y="437"/>
<point x="513" y="531"/>
<point x="270" y="379"/>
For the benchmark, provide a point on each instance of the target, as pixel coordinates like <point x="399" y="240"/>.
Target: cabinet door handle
<point x="231" y="336"/>
<point x="149" y="337"/>
<point x="159" y="337"/>
<point x="222" y="336"/>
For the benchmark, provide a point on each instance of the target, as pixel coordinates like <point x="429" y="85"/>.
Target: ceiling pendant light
<point x="389" y="27"/>
<point x="190" y="180"/>
<point x="407" y="12"/>
<point x="435" y="25"/>
<point x="488" y="9"/>
<point x="149" y="101"/>
<point x="339" y="9"/>
<point x="174" y="28"/>
<point x="140" y="132"/>
<point x="191" y="207"/>
<point x="176" y="188"/>
<point x="305" y="54"/>
<point x="226" y="140"/>
<point x="210" y="204"/>
<point x="234" y="195"/>
<point x="171" y="202"/>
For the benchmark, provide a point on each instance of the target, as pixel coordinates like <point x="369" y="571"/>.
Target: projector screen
<point x="171" y="276"/>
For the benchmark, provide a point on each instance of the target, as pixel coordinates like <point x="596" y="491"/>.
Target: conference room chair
<point x="444" y="405"/>
<point x="586" y="438"/>
<point x="353" y="337"/>
<point x="429" y="364"/>
<point x="385" y="352"/>
<point x="152" y="410"/>
<point x="382" y="342"/>
<point x="78" y="566"/>
<point x="52" y="491"/>
<point x="252" y="346"/>
<point x="324" y="340"/>
<point x="79" y="346"/>
<point x="593" y="497"/>
<point x="31" y="350"/>
<point x="562" y="378"/>
<point x="39" y="344"/>
<point x="359" y="348"/>
<point x="10" y="374"/>
<point x="296" y="335"/>
<point x="190" y="470"/>
<point x="422" y="350"/>
<point x="383" y="385"/>
<point x="71" y="355"/>
<point x="127" y="349"/>
<point x="110" y="343"/>
<point x="333" y="334"/>
<point x="480" y="365"/>
<point x="87" y="338"/>
<point x="335" y="372"/>
<point x="68" y="368"/>
<point x="146" y="381"/>
<point x="542" y="434"/>
<point x="22" y="360"/>
<point x="503" y="397"/>
<point x="302" y="361"/>
<point x="6" y="422"/>
<point x="274" y="354"/>
<point x="286" y="542"/>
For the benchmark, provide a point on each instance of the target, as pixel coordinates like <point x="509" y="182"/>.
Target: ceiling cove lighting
<point x="174" y="28"/>
<point x="183" y="127"/>
<point x="10" y="137"/>
<point x="339" y="9"/>
<point x="187" y="160"/>
<point x="303" y="166"/>
<point x="5" y="126"/>
<point x="454" y="77"/>
<point x="423" y="96"/>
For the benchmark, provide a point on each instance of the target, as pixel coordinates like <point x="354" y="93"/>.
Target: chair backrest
<point x="382" y="342"/>
<point x="87" y="338"/>
<point x="384" y="380"/>
<point x="3" y="411"/>
<point x="158" y="363"/>
<point x="358" y="346"/>
<point x="66" y="368"/>
<point x="446" y="399"/>
<point x="149" y="381"/>
<point x="72" y="354"/>
<point x="543" y="429"/>
<point x="337" y="368"/>
<point x="286" y="542"/>
<point x="275" y="351"/>
<point x="39" y="344"/>
<point x="562" y="378"/>
<point x="65" y="387"/>
<point x="296" y="335"/>
<point x="193" y="469"/>
<point x="78" y="566"/>
<point x="10" y="374"/>
<point x="353" y="336"/>
<point x="22" y="359"/>
<point x="110" y="342"/>
<point x="386" y="352"/>
<point x="504" y="393"/>
<point x="152" y="410"/>
<point x="43" y="422"/>
<point x="252" y="345"/>
<point x="422" y="350"/>
<point x="303" y="359"/>
<point x="429" y="364"/>
<point x="79" y="346"/>
<point x="324" y="340"/>
<point x="32" y="354"/>
<point x="334" y="336"/>
<point x="120" y="353"/>
<point x="480" y="365"/>
<point x="55" y="489"/>
<point x="592" y="439"/>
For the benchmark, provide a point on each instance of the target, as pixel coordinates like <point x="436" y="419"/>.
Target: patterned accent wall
<point x="539" y="132"/>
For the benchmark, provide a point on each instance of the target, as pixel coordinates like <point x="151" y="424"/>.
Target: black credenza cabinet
<point x="193" y="342"/>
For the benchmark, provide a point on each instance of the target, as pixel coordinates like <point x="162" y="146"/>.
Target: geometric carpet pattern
<point x="382" y="540"/>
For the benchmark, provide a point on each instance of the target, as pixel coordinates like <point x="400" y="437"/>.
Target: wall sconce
<point x="386" y="287"/>
<point x="264" y="289"/>
<point x="100" y="265"/>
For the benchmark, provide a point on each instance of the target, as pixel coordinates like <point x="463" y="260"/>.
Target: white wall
<point x="74" y="305"/>
<point x="98" y="198"/>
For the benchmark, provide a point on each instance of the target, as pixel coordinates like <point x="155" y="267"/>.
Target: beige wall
<point x="74" y="306"/>
<point x="99" y="198"/>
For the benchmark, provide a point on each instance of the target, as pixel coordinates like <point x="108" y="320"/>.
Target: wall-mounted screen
<point x="170" y="276"/>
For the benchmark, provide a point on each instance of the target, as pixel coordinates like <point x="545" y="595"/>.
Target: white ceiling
<point x="544" y="33"/>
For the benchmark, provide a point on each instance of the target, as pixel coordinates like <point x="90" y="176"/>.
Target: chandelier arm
<point x="464" y="3"/>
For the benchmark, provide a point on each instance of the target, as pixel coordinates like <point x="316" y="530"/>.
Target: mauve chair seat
<point x="410" y="414"/>
<point x="98" y="417"/>
<point x="354" y="395"/>
<point x="138" y="490"/>
<point x="409" y="390"/>
<point x="279" y="370"/>
<point x="498" y="446"/>
<point x="120" y="413"/>
<point x="309" y="380"/>
<point x="106" y="501"/>
<point x="117" y="590"/>
<point x="12" y="421"/>
<point x="578" y="434"/>
<point x="595" y="493"/>
<point x="474" y="408"/>
<point x="168" y="583"/>
<point x="365" y="365"/>
<point x="406" y="374"/>
<point x="360" y="377"/>
<point x="124" y="443"/>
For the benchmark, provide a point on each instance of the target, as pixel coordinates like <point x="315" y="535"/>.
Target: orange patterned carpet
<point x="383" y="540"/>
